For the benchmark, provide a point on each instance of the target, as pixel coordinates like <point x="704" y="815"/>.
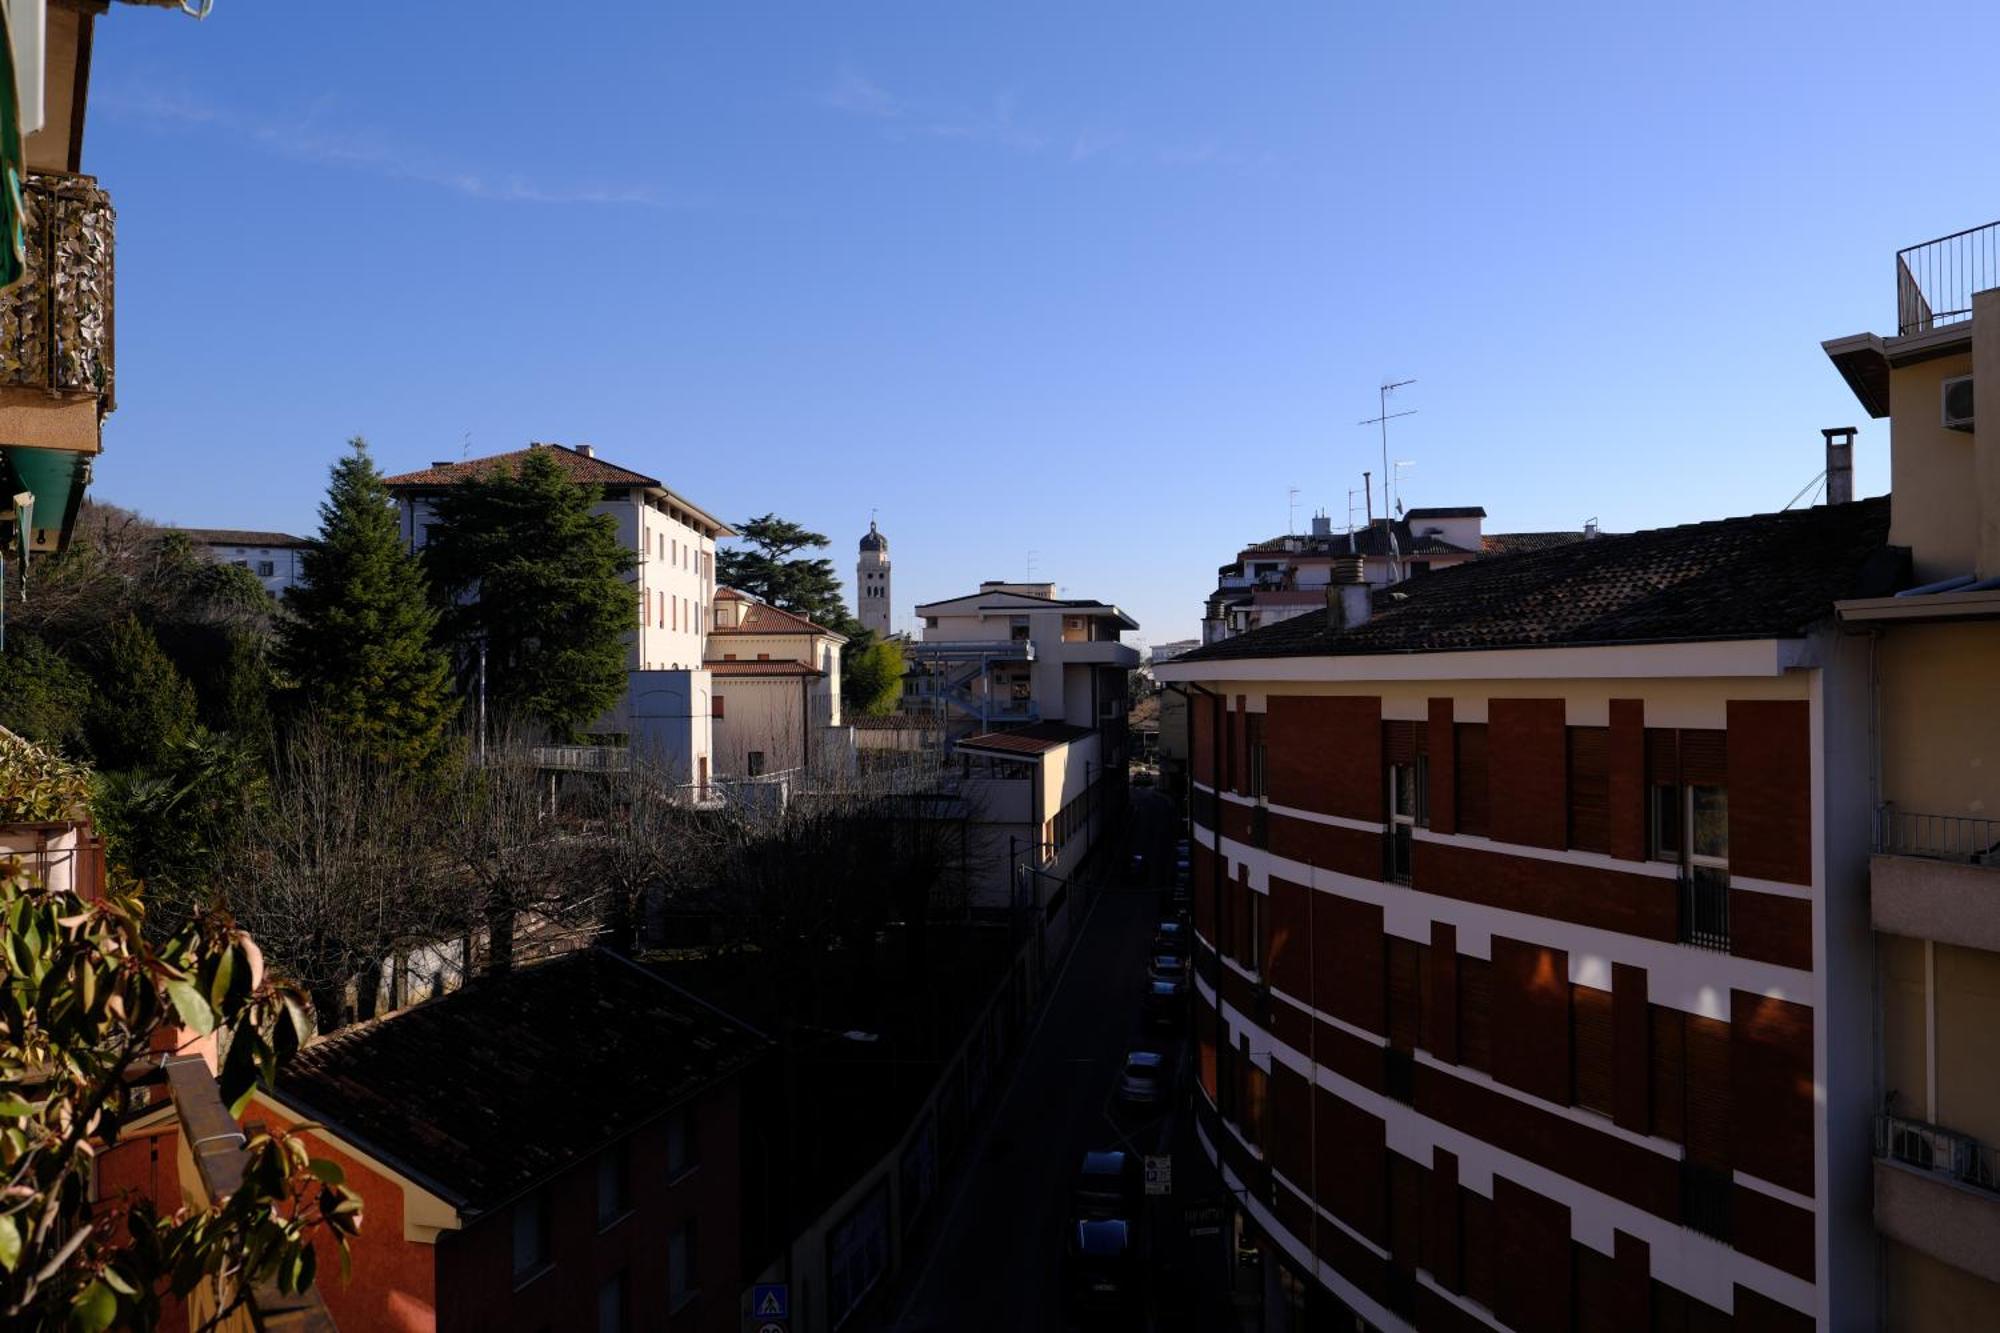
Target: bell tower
<point x="871" y="582"/>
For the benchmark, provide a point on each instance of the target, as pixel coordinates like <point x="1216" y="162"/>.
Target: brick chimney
<point x="1839" y="464"/>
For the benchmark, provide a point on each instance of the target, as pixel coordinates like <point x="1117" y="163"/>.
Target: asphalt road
<point x="998" y="1263"/>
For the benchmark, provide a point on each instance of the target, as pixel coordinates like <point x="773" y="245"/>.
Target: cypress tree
<point x="361" y="639"/>
<point x="518" y="560"/>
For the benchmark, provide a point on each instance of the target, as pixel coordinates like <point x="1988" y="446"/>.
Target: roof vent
<point x="1589" y="528"/>
<point x="587" y="450"/>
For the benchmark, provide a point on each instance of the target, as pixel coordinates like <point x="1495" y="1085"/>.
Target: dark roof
<point x="1765" y="576"/>
<point x="896" y="722"/>
<point x="578" y="467"/>
<point x="1512" y="543"/>
<point x="1035" y="738"/>
<point x="873" y="540"/>
<point x="486" y="1091"/>
<point x="1454" y="511"/>
<point x="240" y="537"/>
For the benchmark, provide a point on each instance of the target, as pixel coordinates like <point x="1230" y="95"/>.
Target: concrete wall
<point x="668" y="716"/>
<point x="1940" y="729"/>
<point x="1936" y="512"/>
<point x="1986" y="443"/>
<point x="1926" y="1295"/>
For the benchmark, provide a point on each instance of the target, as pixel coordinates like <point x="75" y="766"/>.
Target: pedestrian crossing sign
<point x="770" y="1300"/>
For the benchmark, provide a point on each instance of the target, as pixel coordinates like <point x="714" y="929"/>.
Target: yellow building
<point x="1935" y="872"/>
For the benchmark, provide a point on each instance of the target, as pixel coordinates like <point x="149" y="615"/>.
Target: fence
<point x="1941" y="837"/>
<point x="1939" y="1151"/>
<point x="1935" y="280"/>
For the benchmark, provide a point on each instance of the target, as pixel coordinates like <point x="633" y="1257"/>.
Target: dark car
<point x="1167" y="966"/>
<point x="1144" y="1080"/>
<point x="1166" y="1001"/>
<point x="1170" y="936"/>
<point x="1108" y="1184"/>
<point x="1100" y="1264"/>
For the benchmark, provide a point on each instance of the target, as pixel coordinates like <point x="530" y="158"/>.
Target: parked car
<point x="1166" y="1002"/>
<point x="1167" y="966"/>
<point x="1144" y="1082"/>
<point x="1170" y="936"/>
<point x="1100" y="1264"/>
<point x="1108" y="1184"/>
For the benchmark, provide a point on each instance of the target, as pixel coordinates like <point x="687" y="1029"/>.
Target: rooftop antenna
<point x="1382" y="419"/>
<point x="1351" y="493"/>
<point x="465" y="447"/>
<point x="1397" y="476"/>
<point x="1031" y="565"/>
<point x="1291" y="510"/>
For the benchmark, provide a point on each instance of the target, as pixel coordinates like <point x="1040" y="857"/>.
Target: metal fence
<point x="1935" y="280"/>
<point x="1939" y="1151"/>
<point x="1704" y="916"/>
<point x="1941" y="837"/>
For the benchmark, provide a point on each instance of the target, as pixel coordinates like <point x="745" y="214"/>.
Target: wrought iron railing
<point x="1940" y="837"/>
<point x="1704" y="914"/>
<point x="1935" y="280"/>
<point x="56" y="326"/>
<point x="1942" y="1152"/>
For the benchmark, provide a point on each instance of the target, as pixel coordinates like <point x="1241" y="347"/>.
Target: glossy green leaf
<point x="190" y="1005"/>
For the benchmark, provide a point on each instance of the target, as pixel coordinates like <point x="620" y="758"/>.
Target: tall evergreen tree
<point x="770" y="568"/>
<point x="361" y="639"/>
<point x="143" y="706"/>
<point x="520" y="563"/>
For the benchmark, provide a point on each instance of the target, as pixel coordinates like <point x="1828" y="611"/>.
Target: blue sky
<point x="1100" y="282"/>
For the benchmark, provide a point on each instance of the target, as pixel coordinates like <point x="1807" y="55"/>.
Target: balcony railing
<point x="1704" y="914"/>
<point x="56" y="326"/>
<point x="1935" y="281"/>
<point x="1940" y="837"/>
<point x="1941" y="1152"/>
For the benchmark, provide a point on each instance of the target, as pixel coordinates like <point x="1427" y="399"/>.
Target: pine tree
<point x="519" y="562"/>
<point x="361" y="639"/>
<point x="770" y="569"/>
<point x="143" y="707"/>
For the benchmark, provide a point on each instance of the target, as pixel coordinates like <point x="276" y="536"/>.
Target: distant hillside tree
<point x="518" y="561"/>
<point x="43" y="696"/>
<point x="871" y="678"/>
<point x="144" y="707"/>
<point x="361" y="640"/>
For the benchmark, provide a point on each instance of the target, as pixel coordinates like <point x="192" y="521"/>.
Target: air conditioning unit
<point x="1956" y="401"/>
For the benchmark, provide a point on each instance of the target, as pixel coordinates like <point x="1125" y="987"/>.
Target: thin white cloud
<point x="854" y="93"/>
<point x="302" y="141"/>
<point x="1090" y="143"/>
<point x="996" y="125"/>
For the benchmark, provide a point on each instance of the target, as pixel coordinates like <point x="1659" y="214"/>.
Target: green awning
<point x="56" y="478"/>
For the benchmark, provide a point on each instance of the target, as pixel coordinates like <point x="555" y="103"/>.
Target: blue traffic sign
<point x="770" y="1300"/>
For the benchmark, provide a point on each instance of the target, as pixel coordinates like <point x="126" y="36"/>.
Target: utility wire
<point x="1812" y="486"/>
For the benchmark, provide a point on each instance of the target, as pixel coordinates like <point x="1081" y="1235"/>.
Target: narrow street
<point x="999" y="1262"/>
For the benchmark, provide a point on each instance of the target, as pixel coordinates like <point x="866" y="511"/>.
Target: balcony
<point x="1935" y="1191"/>
<point x="1936" y="877"/>
<point x="1935" y="280"/>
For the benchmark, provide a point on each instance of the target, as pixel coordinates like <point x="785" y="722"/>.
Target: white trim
<point x="1565" y="855"/>
<point x="1776" y="888"/>
<point x="1591" y="1120"/>
<point x="1280" y="1178"/>
<point x="1696" y="981"/>
<point x="1769" y="1190"/>
<point x="1684" y="1259"/>
<point x="1359" y="1033"/>
<point x="1627" y="661"/>
<point x="1466" y="1306"/>
<point x="425" y="1214"/>
<point x="1293" y="812"/>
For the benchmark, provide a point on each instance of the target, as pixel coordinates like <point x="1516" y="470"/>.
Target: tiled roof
<point x="896" y="722"/>
<point x="1035" y="738"/>
<point x="716" y="667"/>
<point x="1454" y="511"/>
<point x="240" y="537"/>
<point x="1513" y="543"/>
<point x="486" y="1091"/>
<point x="576" y="466"/>
<point x="1374" y="541"/>
<point x="763" y="618"/>
<point x="1765" y="576"/>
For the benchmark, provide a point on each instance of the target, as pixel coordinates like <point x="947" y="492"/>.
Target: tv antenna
<point x="1291" y="510"/>
<point x="1031" y="565"/>
<point x="1396" y="476"/>
<point x="1351" y="493"/>
<point x="1382" y="419"/>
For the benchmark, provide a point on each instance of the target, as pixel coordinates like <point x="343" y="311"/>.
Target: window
<point x="1688" y="825"/>
<point x="611" y="1305"/>
<point x="1472" y="792"/>
<point x="1017" y="628"/>
<point x="1253" y="724"/>
<point x="718" y="706"/>
<point x="755" y="763"/>
<point x="681" y="1154"/>
<point x="613" y="1200"/>
<point x="682" y="1286"/>
<point x="531" y="1236"/>
<point x="1409" y="810"/>
<point x="267" y="569"/>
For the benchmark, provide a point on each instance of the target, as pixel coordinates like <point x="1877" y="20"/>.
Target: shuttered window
<point x="1471" y="778"/>
<point x="1477" y="1219"/>
<point x="1405" y="992"/>
<point x="1708" y="1100"/>
<point x="1590" y="789"/>
<point x="1401" y="741"/>
<point x="1475" y="1027"/>
<point x="1669" y="1073"/>
<point x="1704" y="757"/>
<point x="1590" y="1048"/>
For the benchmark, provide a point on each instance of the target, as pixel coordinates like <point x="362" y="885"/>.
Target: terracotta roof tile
<point x="576" y="466"/>
<point x="721" y="668"/>
<point x="1035" y="738"/>
<point x="1764" y="576"/>
<point x="240" y="537"/>
<point x="763" y="618"/>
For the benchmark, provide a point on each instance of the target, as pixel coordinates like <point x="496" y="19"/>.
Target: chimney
<point x="587" y="450"/>
<point x="1347" y="593"/>
<point x="1322" y="525"/>
<point x="1839" y="464"/>
<point x="1589" y="529"/>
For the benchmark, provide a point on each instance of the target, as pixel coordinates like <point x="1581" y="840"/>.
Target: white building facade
<point x="273" y="558"/>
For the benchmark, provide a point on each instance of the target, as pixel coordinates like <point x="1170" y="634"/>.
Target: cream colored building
<point x="775" y="678"/>
<point x="1935" y="872"/>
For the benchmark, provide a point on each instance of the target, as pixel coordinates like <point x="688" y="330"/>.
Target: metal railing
<point x="1704" y="914"/>
<point x="1939" y="1151"/>
<point x="1935" y="280"/>
<point x="582" y="758"/>
<point x="1940" y="837"/>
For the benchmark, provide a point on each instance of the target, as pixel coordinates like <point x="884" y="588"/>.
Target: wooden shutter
<point x="1669" y="1073"/>
<point x="1591" y="1047"/>
<point x="1663" y="756"/>
<point x="1709" y="1110"/>
<point x="1590" y="789"/>
<point x="1704" y="757"/>
<point x="1405" y="992"/>
<point x="1475" y="1026"/>
<point x="1596" y="1292"/>
<point x="1473" y="801"/>
<point x="1476" y="1214"/>
<point x="1406" y="1203"/>
<point x="1399" y="742"/>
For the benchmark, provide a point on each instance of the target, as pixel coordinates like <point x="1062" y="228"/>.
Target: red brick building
<point x="551" y="1149"/>
<point x="1533" y="957"/>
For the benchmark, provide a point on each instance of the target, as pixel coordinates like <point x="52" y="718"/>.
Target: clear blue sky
<point x="1097" y="281"/>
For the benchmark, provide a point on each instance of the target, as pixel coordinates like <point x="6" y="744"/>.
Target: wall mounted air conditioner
<point x="1956" y="402"/>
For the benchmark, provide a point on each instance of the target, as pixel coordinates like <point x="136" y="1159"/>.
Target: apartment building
<point x="672" y="538"/>
<point x="57" y="314"/>
<point x="1934" y="877"/>
<point x="775" y="678"/>
<point x="1287" y="576"/>
<point x="1534" y="971"/>
<point x="514" y="1177"/>
<point x="275" y="559"/>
